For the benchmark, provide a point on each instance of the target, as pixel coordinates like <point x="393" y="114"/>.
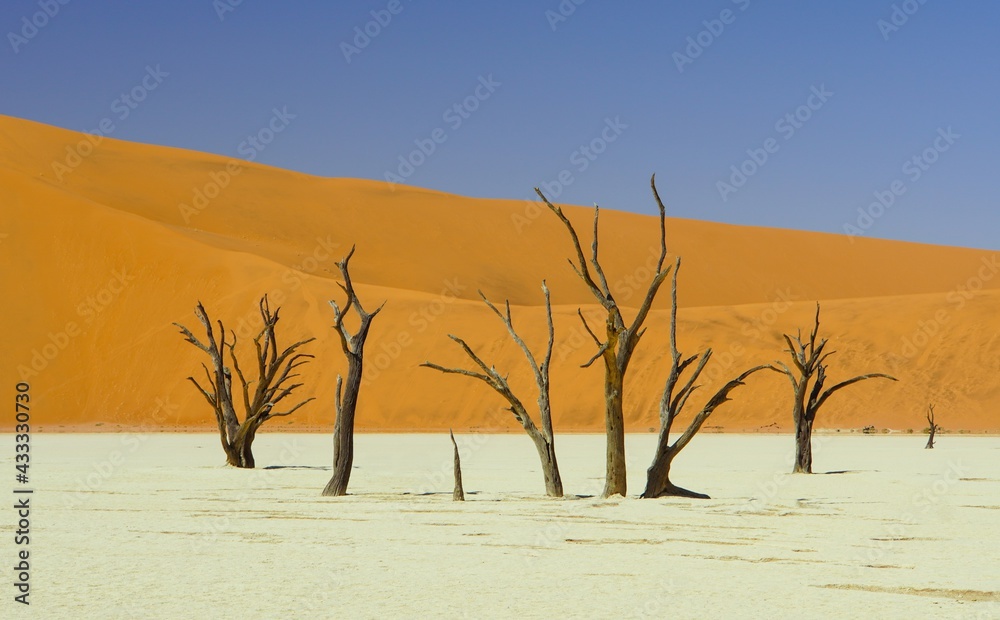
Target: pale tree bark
<point x="620" y="338"/>
<point x="808" y="378"/>
<point x="675" y="397"/>
<point x="544" y="437"/>
<point x="346" y="403"/>
<point x="932" y="427"/>
<point x="274" y="371"/>
<point x="458" y="494"/>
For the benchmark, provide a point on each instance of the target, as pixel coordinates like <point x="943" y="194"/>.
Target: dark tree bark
<point x="809" y="365"/>
<point x="672" y="403"/>
<point x="543" y="438"/>
<point x="932" y="427"/>
<point x="274" y="370"/>
<point x="620" y="339"/>
<point x="458" y="494"/>
<point x="353" y="346"/>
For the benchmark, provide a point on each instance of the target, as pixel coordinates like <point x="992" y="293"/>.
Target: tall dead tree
<point x="353" y="346"/>
<point x="675" y="397"/>
<point x="274" y="370"/>
<point x="808" y="377"/>
<point x="932" y="427"/>
<point x="543" y="438"/>
<point x="620" y="338"/>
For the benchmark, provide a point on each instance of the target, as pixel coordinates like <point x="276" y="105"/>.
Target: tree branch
<point x="580" y="266"/>
<point x="851" y="381"/>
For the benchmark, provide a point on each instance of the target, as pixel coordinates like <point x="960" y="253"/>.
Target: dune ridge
<point x="102" y="256"/>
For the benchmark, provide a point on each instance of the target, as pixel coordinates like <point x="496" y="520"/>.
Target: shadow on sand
<point x="318" y="468"/>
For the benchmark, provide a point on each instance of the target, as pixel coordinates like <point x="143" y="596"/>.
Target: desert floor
<point x="155" y="526"/>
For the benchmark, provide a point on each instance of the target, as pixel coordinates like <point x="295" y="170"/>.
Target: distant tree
<point x="675" y="397"/>
<point x="353" y="346"/>
<point x="274" y="370"/>
<point x="544" y="438"/>
<point x="620" y="338"/>
<point x="932" y="427"/>
<point x="808" y="377"/>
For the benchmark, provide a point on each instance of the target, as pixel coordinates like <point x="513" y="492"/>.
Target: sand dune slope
<point x="99" y="258"/>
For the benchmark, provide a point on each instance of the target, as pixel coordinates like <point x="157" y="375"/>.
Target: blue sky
<point x="585" y="99"/>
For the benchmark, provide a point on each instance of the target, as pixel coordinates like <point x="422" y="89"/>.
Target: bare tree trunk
<point x="459" y="493"/>
<point x="243" y="444"/>
<point x="353" y="346"/>
<point x="550" y="467"/>
<point x="343" y="430"/>
<point x="615" y="482"/>
<point x="803" y="445"/>
<point x="658" y="475"/>
<point x="243" y="447"/>
<point x="232" y="454"/>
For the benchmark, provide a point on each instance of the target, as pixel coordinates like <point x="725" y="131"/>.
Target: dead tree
<point x="808" y="359"/>
<point x="620" y="338"/>
<point x="274" y="370"/>
<point x="353" y="346"/>
<point x="672" y="404"/>
<point x="543" y="438"/>
<point x="932" y="427"/>
<point x="458" y="494"/>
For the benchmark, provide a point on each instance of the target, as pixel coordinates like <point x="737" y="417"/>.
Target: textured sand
<point x="101" y="258"/>
<point x="169" y="532"/>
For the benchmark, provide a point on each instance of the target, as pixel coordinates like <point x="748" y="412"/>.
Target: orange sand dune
<point x="106" y="245"/>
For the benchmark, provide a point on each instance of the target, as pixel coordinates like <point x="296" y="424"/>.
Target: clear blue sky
<point x="893" y="88"/>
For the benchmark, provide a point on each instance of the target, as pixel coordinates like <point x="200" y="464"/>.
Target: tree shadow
<point x="314" y="467"/>
<point x="428" y="493"/>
